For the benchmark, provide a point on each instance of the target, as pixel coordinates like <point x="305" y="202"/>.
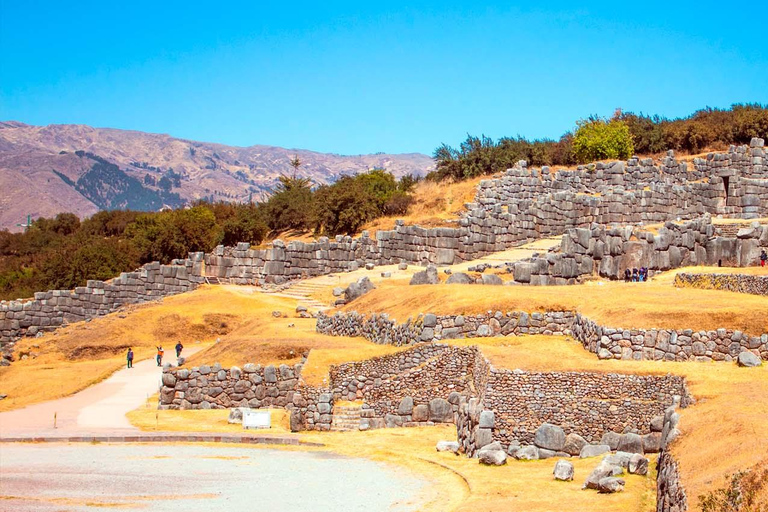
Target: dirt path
<point x="98" y="408"/>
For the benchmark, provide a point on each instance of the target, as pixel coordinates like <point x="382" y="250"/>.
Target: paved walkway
<point x="98" y="409"/>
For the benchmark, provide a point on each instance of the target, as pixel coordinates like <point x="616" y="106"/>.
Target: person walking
<point x="160" y="355"/>
<point x="129" y="357"/>
<point x="763" y="258"/>
<point x="179" y="348"/>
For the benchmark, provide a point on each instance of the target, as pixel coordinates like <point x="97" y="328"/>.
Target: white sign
<point x="257" y="419"/>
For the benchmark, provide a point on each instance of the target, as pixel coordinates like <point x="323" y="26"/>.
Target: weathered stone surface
<point x="610" y="485"/>
<point x="459" y="278"/>
<point x="421" y="413"/>
<point x="447" y="446"/>
<point x="563" y="470"/>
<point x="573" y="444"/>
<point x="594" y="450"/>
<point x="527" y="453"/>
<point x="612" y="439"/>
<point x="440" y="411"/>
<point x="638" y="465"/>
<point x="550" y="437"/>
<point x="631" y="443"/>
<point x="748" y="359"/>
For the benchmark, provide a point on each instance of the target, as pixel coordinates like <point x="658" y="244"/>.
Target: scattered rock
<point x="236" y="414"/>
<point x="612" y="439"/>
<point x="276" y="314"/>
<point x="448" y="446"/>
<point x="492" y="455"/>
<point x="492" y="279"/>
<point x="459" y="278"/>
<point x="638" y="465"/>
<point x="748" y="359"/>
<point x="610" y="485"/>
<point x="631" y="443"/>
<point x="594" y="450"/>
<point x="527" y="453"/>
<point x="563" y="470"/>
<point x="358" y="289"/>
<point x="402" y="266"/>
<point x="428" y="276"/>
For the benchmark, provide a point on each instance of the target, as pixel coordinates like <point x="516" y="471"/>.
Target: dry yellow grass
<point x="434" y="205"/>
<point x="653" y="304"/>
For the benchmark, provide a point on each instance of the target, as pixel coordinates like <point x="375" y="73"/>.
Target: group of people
<point x="160" y="352"/>
<point x="636" y="275"/>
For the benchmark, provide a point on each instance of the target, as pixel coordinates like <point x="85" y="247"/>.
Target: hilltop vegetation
<point x="620" y="137"/>
<point x="64" y="252"/>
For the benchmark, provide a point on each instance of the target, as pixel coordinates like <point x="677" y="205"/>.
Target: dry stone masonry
<point x="52" y="309"/>
<point x="605" y="342"/>
<point x="741" y="283"/>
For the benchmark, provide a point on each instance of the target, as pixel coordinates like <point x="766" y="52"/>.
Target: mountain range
<point x="45" y="170"/>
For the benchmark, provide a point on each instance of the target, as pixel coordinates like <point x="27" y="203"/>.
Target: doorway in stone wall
<point x="726" y="180"/>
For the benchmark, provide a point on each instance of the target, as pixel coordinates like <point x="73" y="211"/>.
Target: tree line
<point x="64" y="252"/>
<point x="595" y="138"/>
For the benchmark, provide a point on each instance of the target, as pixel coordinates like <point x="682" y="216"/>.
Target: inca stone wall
<point x="670" y="493"/>
<point x="52" y="309"/>
<point x="526" y="204"/>
<point x="609" y="251"/>
<point x="741" y="283"/>
<point x="667" y="344"/>
<point x="606" y="342"/>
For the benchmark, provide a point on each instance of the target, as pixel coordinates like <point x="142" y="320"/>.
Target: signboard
<point x="256" y="419"/>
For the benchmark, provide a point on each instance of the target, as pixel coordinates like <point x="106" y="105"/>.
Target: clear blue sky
<point x="359" y="77"/>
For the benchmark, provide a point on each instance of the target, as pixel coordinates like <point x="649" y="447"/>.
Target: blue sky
<point x="360" y="77"/>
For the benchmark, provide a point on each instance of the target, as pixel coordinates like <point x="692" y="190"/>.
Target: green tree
<point x="344" y="207"/>
<point x="598" y="139"/>
<point x="290" y="206"/>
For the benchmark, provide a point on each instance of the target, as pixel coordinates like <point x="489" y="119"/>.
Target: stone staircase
<point x="304" y="289"/>
<point x="346" y="417"/>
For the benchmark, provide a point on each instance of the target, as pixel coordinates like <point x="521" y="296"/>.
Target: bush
<point x="598" y="139"/>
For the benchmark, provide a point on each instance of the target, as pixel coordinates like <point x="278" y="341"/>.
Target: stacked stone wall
<point x="52" y="309"/>
<point x="670" y="493"/>
<point x="606" y="342"/>
<point x="588" y="404"/>
<point x="667" y="344"/>
<point x="610" y="251"/>
<point x="740" y="283"/>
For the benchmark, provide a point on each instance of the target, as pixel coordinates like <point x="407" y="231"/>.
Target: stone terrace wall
<point x="382" y="330"/>
<point x="419" y="385"/>
<point x="667" y="344"/>
<point x="526" y="204"/>
<point x="606" y="342"/>
<point x="609" y="251"/>
<point x="588" y="404"/>
<point x="741" y="283"/>
<point x="670" y="493"/>
<point x="51" y="309"/>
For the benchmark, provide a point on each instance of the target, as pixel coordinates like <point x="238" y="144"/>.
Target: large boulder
<point x="594" y="450"/>
<point x="405" y="408"/>
<point x="358" y="289"/>
<point x="550" y="437"/>
<point x="610" y="485"/>
<point x="573" y="444"/>
<point x="492" y="279"/>
<point x="527" y="453"/>
<point x="631" y="443"/>
<point x="492" y="457"/>
<point x="459" y="278"/>
<point x="603" y="470"/>
<point x="440" y="411"/>
<point x="563" y="470"/>
<point x="447" y="446"/>
<point x="420" y="413"/>
<point x="638" y="465"/>
<point x="428" y="276"/>
<point x="748" y="359"/>
<point x="652" y="442"/>
<point x="612" y="439"/>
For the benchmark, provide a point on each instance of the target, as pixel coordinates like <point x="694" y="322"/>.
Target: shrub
<point x="598" y="139"/>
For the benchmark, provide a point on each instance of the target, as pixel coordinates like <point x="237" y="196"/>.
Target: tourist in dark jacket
<point x="627" y="275"/>
<point x="635" y="275"/>
<point x="179" y="348"/>
<point x="129" y="358"/>
<point x="763" y="258"/>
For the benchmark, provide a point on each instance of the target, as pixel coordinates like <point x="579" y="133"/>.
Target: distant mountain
<point x="45" y="170"/>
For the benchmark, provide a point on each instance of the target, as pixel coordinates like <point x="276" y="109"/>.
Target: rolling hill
<point x="45" y="170"/>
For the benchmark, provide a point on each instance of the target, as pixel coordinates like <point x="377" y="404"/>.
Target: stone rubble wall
<point x="421" y="384"/>
<point x="666" y="344"/>
<point x="606" y="342"/>
<point x="740" y="283"/>
<point x="52" y="309"/>
<point x="588" y="404"/>
<point x="609" y="251"/>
